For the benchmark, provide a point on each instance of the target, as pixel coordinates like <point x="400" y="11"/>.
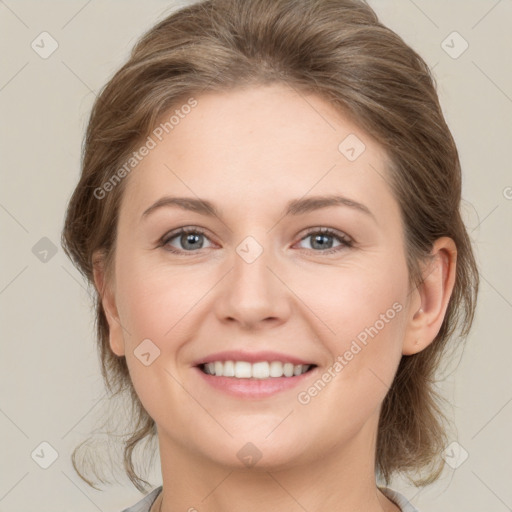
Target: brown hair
<point x="338" y="50"/>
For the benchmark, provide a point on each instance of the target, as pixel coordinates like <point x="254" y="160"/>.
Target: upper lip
<point x="250" y="357"/>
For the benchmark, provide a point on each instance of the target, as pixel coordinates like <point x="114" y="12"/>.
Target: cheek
<point x="348" y="300"/>
<point x="155" y="298"/>
<point x="367" y="347"/>
<point x="361" y="322"/>
<point x="156" y="303"/>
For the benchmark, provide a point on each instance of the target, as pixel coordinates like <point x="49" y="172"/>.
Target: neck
<point x="341" y="480"/>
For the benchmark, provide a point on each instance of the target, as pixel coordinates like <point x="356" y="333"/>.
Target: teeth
<point x="288" y="369"/>
<point x="243" y="370"/>
<point x="297" y="370"/>
<point x="229" y="369"/>
<point x="260" y="370"/>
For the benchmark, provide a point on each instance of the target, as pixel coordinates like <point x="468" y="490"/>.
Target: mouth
<point x="253" y="380"/>
<point x="260" y="370"/>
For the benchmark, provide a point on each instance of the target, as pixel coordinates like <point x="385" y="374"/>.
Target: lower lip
<point x="253" y="388"/>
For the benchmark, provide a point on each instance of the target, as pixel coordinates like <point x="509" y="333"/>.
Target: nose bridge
<point x="252" y="292"/>
<point x="251" y="277"/>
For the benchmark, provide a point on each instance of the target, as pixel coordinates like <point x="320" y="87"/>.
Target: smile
<point x="253" y="381"/>
<point x="258" y="370"/>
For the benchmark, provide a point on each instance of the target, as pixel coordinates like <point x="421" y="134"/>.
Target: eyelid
<point x="329" y="231"/>
<point x="178" y="231"/>
<point x="167" y="237"/>
<point x="346" y="241"/>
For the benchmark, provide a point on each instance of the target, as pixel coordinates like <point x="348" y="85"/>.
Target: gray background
<point x="50" y="386"/>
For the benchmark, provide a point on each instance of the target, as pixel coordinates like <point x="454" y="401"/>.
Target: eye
<point x="322" y="239"/>
<point x="189" y="239"/>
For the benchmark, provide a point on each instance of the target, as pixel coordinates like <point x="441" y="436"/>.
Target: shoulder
<point x="145" y="503"/>
<point x="398" y="499"/>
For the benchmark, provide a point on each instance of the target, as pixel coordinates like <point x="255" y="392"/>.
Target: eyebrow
<point x="293" y="207"/>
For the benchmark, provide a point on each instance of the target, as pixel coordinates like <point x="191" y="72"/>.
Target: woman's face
<point x="260" y="280"/>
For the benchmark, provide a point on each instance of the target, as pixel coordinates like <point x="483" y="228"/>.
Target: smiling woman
<point x="279" y="277"/>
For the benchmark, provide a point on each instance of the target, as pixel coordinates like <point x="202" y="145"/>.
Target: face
<point x="270" y="272"/>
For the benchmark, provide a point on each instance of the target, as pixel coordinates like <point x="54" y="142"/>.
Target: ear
<point x="431" y="298"/>
<point x="106" y="291"/>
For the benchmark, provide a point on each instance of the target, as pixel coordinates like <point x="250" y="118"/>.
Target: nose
<point x="253" y="294"/>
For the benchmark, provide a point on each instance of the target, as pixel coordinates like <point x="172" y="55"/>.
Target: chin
<point x="258" y="451"/>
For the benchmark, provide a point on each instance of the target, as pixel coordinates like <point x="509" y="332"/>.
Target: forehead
<point x="259" y="143"/>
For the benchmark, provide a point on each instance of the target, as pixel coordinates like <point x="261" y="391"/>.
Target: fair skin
<point x="249" y="152"/>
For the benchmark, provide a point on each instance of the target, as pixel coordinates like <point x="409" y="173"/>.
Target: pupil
<point x="190" y="238"/>
<point x="322" y="244"/>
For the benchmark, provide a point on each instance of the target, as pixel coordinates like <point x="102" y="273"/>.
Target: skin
<point x="250" y="151"/>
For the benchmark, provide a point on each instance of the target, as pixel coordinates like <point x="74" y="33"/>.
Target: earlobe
<point x="434" y="294"/>
<point x="107" y="295"/>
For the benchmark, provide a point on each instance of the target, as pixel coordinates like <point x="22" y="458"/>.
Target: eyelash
<point x="346" y="242"/>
